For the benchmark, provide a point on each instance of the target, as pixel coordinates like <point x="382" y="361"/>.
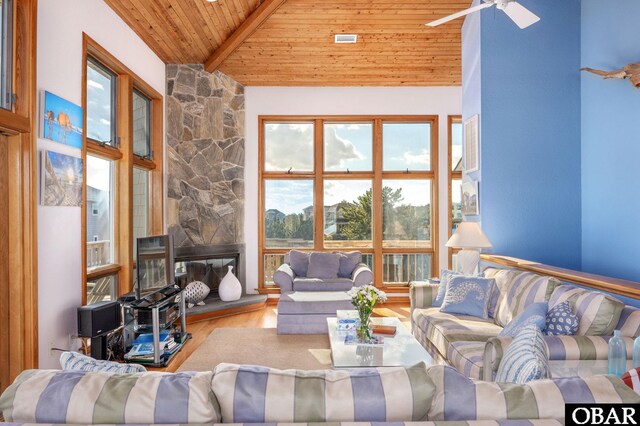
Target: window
<point x="101" y="103"/>
<point x="100" y="192"/>
<point x="454" y="173"/>
<point x="347" y="213"/>
<point x="6" y="52"/>
<point x="123" y="183"/>
<point x="281" y="140"/>
<point x="353" y="183"/>
<point x="141" y="125"/>
<point x="348" y="147"/>
<point x="407" y="146"/>
<point x="288" y="217"/>
<point x="140" y="204"/>
<point x="102" y="289"/>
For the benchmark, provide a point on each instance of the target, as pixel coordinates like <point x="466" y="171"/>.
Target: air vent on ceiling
<point x="346" y="38"/>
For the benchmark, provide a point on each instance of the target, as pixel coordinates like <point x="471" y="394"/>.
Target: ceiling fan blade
<point x="459" y="14"/>
<point x="519" y="14"/>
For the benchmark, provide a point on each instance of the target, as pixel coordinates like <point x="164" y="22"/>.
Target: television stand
<point x="152" y="315"/>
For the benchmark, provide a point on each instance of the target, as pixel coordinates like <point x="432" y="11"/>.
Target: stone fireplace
<point x="205" y="183"/>
<point x="205" y="176"/>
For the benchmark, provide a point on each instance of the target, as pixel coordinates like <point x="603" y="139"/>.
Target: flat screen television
<point x="155" y="264"/>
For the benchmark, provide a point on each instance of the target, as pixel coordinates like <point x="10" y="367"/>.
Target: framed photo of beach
<point x="60" y="120"/>
<point x="61" y="178"/>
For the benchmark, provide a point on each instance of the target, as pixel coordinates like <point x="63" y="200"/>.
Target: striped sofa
<point x="237" y="394"/>
<point x="471" y="344"/>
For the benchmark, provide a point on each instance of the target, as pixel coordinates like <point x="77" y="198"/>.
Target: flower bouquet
<point x="364" y="299"/>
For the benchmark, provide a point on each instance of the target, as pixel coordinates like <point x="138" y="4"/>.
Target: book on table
<point x="387" y="330"/>
<point x="347" y="320"/>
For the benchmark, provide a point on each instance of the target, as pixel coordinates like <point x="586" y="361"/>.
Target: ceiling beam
<point x="261" y="14"/>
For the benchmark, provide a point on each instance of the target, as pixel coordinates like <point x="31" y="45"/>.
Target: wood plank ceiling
<point x="294" y="46"/>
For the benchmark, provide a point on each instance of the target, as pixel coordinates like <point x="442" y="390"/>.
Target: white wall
<point x="441" y="101"/>
<point x="60" y="27"/>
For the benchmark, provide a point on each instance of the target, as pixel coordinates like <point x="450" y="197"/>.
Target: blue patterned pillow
<point x="445" y="274"/>
<point x="468" y="296"/>
<point x="561" y="320"/>
<point x="79" y="362"/>
<point x="533" y="314"/>
<point x="525" y="359"/>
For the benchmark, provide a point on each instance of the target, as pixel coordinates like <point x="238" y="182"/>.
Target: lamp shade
<point x="469" y="235"/>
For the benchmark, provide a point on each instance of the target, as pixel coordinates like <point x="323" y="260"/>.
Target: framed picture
<point x="470" y="205"/>
<point x="471" y="139"/>
<point x="60" y="180"/>
<point x="60" y="120"/>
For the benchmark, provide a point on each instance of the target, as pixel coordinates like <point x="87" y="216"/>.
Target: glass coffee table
<point x="401" y="350"/>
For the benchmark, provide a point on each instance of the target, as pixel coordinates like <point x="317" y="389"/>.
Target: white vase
<point x="230" y="288"/>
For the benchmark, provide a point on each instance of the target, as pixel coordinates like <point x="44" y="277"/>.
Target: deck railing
<point x="98" y="253"/>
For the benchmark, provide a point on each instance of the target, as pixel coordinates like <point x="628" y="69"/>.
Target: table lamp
<point x="470" y="239"/>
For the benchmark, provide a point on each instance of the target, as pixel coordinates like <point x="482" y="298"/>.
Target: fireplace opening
<point x="208" y="264"/>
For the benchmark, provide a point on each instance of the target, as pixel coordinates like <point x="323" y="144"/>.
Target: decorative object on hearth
<point x="364" y="299"/>
<point x="631" y="71"/>
<point x="195" y="293"/>
<point x="470" y="238"/>
<point x="230" y="288"/>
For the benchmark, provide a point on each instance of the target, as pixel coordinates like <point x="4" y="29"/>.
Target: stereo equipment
<point x="95" y="321"/>
<point x="166" y="316"/>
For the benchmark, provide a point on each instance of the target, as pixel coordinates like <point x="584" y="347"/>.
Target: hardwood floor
<point x="264" y="318"/>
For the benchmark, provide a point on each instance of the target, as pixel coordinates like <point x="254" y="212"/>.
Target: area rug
<point x="260" y="346"/>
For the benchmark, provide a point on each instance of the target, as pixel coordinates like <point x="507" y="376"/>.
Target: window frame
<point x="451" y="176"/>
<point x="377" y="175"/>
<point x="124" y="161"/>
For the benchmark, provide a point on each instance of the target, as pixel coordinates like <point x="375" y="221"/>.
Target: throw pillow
<point x="348" y="262"/>
<point x="534" y="314"/>
<point x="598" y="313"/>
<point x="561" y="321"/>
<point x="519" y="289"/>
<point x="78" y="362"/>
<point x="299" y="262"/>
<point x="468" y="296"/>
<point x="525" y="359"/>
<point x="445" y="274"/>
<point x="323" y="265"/>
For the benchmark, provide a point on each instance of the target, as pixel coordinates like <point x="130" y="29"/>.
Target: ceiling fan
<point x="519" y="14"/>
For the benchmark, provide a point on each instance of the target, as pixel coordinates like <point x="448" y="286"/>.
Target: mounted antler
<point x="631" y="71"/>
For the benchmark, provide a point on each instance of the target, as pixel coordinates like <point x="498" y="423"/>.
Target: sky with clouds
<point x="98" y="173"/>
<point x="98" y="105"/>
<point x="347" y="146"/>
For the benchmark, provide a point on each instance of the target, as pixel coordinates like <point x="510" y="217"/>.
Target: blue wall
<point x="610" y="140"/>
<point x="530" y="196"/>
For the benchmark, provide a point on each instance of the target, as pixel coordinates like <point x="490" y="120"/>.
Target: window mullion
<point x="318" y="185"/>
<point x="377" y="202"/>
<point x="124" y="184"/>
